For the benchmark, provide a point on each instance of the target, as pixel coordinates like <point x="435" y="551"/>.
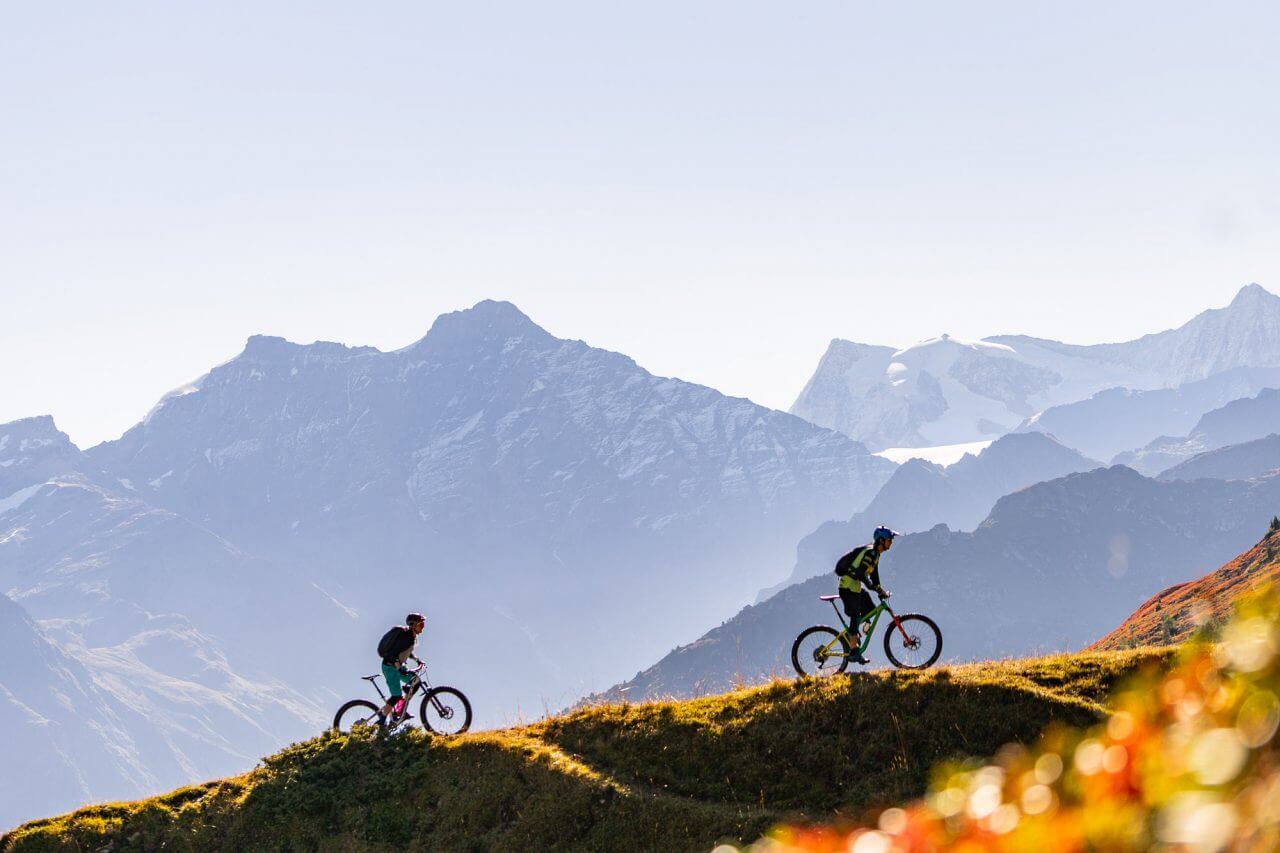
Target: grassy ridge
<point x="665" y="775"/>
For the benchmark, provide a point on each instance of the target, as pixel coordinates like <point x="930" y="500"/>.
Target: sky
<point x="716" y="189"/>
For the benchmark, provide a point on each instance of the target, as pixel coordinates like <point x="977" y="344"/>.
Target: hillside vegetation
<point x="1174" y="614"/>
<point x="662" y="775"/>
<point x="1188" y="760"/>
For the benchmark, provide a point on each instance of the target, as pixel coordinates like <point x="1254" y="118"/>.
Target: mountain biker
<point x="859" y="567"/>
<point x="396" y="647"/>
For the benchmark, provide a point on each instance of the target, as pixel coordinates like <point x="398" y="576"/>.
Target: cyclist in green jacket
<point x="861" y="567"/>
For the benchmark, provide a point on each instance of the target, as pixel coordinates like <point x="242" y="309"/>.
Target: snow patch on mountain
<point x="944" y="454"/>
<point x="18" y="498"/>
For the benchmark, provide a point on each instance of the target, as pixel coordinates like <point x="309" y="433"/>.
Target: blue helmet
<point x="883" y="532"/>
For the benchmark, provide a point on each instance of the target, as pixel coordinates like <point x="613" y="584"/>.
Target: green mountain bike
<point x="913" y="642"/>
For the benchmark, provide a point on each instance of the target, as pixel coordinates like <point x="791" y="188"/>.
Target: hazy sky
<point x="714" y="188"/>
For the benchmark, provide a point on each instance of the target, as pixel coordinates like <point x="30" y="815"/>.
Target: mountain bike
<point x="913" y="642"/>
<point x="444" y="710"/>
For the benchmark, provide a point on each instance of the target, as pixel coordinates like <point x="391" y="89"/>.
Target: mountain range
<point x="170" y="631"/>
<point x="921" y="495"/>
<point x="64" y="736"/>
<point x="1244" y="461"/>
<point x="1237" y="422"/>
<point x="949" y="391"/>
<point x="561" y="516"/>
<point x="215" y="580"/>
<point x="1053" y="567"/>
<point x="499" y="477"/>
<point x="1120" y="419"/>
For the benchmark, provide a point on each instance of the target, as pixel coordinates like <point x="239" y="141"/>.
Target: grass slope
<point x="663" y="775"/>
<point x="1175" y="613"/>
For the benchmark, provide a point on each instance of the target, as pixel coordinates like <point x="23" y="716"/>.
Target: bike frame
<point x="410" y="690"/>
<point x="419" y="681"/>
<point x="873" y="617"/>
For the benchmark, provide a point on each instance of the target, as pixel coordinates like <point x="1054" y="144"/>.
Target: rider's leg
<point x="865" y="606"/>
<point x="856" y="605"/>
<point x="392" y="676"/>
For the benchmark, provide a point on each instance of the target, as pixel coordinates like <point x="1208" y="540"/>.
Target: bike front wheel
<point x="355" y="713"/>
<point x="913" y="643"/>
<point x="445" y="711"/>
<point x="820" y="652"/>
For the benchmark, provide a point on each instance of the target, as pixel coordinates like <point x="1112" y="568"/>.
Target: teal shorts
<point x="394" y="679"/>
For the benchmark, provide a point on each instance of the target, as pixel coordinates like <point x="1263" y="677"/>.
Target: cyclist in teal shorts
<point x="395" y="648"/>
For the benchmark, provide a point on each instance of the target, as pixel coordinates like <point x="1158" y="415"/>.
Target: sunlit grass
<point x="662" y="775"/>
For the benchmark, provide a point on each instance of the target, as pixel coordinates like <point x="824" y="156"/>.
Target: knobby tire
<point x="839" y="654"/>
<point x="350" y="706"/>
<point x="920" y="627"/>
<point x="451" y="698"/>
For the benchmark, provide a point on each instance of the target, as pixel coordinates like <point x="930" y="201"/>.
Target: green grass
<point x="664" y="775"/>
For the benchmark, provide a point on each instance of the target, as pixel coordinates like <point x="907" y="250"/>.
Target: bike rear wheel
<point x="357" y="712"/>
<point x="815" y="654"/>
<point x="445" y="711"/>
<point x="917" y="644"/>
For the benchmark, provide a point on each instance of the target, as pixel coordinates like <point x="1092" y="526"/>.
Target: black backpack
<point x="388" y="641"/>
<point x="850" y="565"/>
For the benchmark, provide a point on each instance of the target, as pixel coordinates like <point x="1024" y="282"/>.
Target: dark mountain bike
<point x="912" y="642"/>
<point x="444" y="710"/>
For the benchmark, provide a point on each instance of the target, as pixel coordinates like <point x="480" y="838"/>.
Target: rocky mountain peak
<point x="38" y="428"/>
<point x="1076" y="489"/>
<point x="841" y="352"/>
<point x="1253" y="296"/>
<point x="1021" y="445"/>
<point x="265" y="346"/>
<point x="29" y="439"/>
<point x="33" y="450"/>
<point x="271" y="348"/>
<point x="484" y="324"/>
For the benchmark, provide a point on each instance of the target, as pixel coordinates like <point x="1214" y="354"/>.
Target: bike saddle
<point x="368" y="678"/>
<point x="828" y="597"/>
